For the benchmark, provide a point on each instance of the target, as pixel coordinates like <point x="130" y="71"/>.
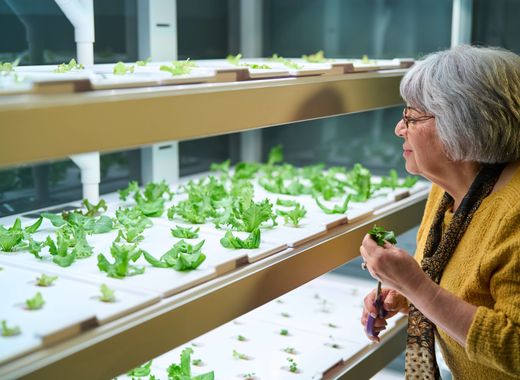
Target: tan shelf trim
<point x="375" y="357"/>
<point x="106" y="351"/>
<point x="37" y="128"/>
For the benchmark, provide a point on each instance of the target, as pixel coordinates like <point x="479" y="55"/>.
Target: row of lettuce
<point x="225" y="199"/>
<point x="181" y="67"/>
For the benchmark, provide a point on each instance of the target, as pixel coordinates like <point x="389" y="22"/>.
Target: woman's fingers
<point x="369" y="302"/>
<point x="393" y="301"/>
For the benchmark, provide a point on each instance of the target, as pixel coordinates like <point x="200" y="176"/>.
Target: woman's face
<point x="422" y="148"/>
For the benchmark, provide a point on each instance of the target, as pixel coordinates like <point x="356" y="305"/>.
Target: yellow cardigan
<point x="484" y="271"/>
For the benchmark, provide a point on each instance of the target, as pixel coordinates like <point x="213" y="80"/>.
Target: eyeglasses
<point x="408" y="119"/>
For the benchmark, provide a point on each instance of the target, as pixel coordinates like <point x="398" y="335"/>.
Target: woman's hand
<point x="394" y="267"/>
<point x="393" y="303"/>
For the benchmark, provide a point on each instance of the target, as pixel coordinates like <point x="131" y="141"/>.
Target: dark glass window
<point x="350" y="29"/>
<point x="36" y="186"/>
<point x="39" y="33"/>
<point x="495" y="23"/>
<point x="197" y="155"/>
<point x="206" y="30"/>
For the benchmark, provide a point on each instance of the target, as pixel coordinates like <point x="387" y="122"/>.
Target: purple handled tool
<point x="381" y="313"/>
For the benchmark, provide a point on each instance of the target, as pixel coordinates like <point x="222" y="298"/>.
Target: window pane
<point x="202" y="29"/>
<point x="205" y="31"/>
<point x="43" y="185"/>
<point x="495" y="23"/>
<point x="197" y="155"/>
<point x="366" y="137"/>
<point x="380" y="29"/>
<point x="40" y="33"/>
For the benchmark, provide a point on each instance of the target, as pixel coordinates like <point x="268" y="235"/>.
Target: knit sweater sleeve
<point x="494" y="335"/>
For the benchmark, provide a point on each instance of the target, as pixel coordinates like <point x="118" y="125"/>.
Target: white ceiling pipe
<point x="90" y="174"/>
<point x="80" y="13"/>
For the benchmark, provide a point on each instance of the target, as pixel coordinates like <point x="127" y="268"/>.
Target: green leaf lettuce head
<point x="132" y="223"/>
<point x="93" y="210"/>
<point x="131" y="189"/>
<point x="11" y="237"/>
<point x="182" y="371"/>
<point x="71" y="243"/>
<point x="16" y="237"/>
<point x="123" y="254"/>
<point x="222" y="167"/>
<point x="121" y="69"/>
<point x="336" y="209"/>
<point x="145" y="62"/>
<point x="35" y="303"/>
<point x="179" y="67"/>
<point x="392" y="181"/>
<point x="359" y="179"/>
<point x="293" y="216"/>
<point x="8" y="67"/>
<point x="233" y="242"/>
<point x="150" y="202"/>
<point x="45" y="280"/>
<point x="275" y="155"/>
<point x="67" y="67"/>
<point x="380" y="236"/>
<point x="318" y="57"/>
<point x="132" y="218"/>
<point x="239" y="355"/>
<point x="256" y="66"/>
<point x="185" y="232"/>
<point x="286" y="62"/>
<point x="107" y="294"/>
<point x="56" y="219"/>
<point x="286" y="202"/>
<point x="293" y="367"/>
<point x="181" y="257"/>
<point x="141" y="371"/>
<point x="234" y="59"/>
<point x="9" y="331"/>
<point x="246" y="170"/>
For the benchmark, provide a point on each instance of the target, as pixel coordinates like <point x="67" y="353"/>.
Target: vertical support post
<point x="461" y="22"/>
<point x="157" y="38"/>
<point x="157" y="29"/>
<point x="251" y="38"/>
<point x="160" y="162"/>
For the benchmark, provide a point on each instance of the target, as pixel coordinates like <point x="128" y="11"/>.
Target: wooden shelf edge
<point x="106" y="351"/>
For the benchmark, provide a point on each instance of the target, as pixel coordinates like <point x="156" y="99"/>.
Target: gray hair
<point x="474" y="94"/>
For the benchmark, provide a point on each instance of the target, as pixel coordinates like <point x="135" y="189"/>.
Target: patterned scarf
<point x="420" y="346"/>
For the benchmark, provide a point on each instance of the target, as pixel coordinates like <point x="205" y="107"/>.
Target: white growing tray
<point x="308" y="328"/>
<point x="69" y="305"/>
<point x="160" y="281"/>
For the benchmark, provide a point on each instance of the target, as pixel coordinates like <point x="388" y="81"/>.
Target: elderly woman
<point x="460" y="130"/>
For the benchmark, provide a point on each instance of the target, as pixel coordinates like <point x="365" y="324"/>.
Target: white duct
<point x="90" y="174"/>
<point x="80" y="13"/>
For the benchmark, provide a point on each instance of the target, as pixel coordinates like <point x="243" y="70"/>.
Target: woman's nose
<point x="400" y="129"/>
